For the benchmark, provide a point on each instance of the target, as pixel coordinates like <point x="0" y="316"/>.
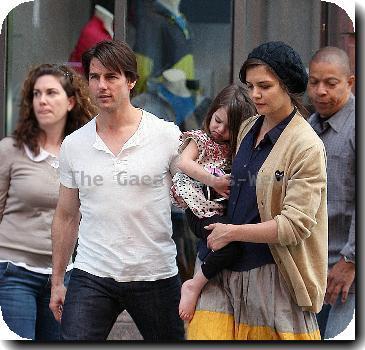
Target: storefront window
<point x="192" y="37"/>
<point x="51" y="31"/>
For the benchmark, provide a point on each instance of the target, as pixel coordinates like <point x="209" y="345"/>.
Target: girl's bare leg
<point x="190" y="292"/>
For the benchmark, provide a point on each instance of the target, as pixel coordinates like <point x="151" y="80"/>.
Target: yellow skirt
<point x="250" y="305"/>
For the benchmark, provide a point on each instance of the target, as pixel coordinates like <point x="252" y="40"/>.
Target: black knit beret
<point x="285" y="61"/>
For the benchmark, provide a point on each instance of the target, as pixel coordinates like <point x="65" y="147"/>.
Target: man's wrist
<point x="57" y="280"/>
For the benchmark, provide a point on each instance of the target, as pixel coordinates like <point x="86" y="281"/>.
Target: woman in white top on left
<point x="54" y="103"/>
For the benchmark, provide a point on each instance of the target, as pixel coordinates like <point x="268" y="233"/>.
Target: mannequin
<point x="163" y="41"/>
<point x="173" y="89"/>
<point x="98" y="28"/>
<point x="175" y="81"/>
<point x="169" y="99"/>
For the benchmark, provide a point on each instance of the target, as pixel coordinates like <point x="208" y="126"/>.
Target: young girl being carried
<point x="202" y="183"/>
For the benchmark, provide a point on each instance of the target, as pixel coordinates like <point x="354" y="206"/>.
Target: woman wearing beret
<point x="277" y="211"/>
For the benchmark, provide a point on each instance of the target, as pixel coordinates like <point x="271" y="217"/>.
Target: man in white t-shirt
<point x="116" y="172"/>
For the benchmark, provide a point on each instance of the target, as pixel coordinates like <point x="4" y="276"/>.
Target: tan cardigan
<point x="297" y="202"/>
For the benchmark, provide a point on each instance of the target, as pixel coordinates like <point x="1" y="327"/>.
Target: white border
<point x="7" y="5"/>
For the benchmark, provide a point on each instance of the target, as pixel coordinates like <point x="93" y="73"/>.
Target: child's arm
<point x="188" y="165"/>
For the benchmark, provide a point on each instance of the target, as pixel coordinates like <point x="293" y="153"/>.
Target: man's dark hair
<point x="114" y="55"/>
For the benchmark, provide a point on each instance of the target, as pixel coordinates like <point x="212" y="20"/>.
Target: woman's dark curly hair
<point x="28" y="131"/>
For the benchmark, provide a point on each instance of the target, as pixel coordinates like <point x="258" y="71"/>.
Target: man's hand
<point x="339" y="280"/>
<point x="58" y="293"/>
<point x="222" y="185"/>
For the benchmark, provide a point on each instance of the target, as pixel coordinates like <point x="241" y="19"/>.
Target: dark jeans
<point x="24" y="302"/>
<point x="213" y="262"/>
<point x="334" y="319"/>
<point x="92" y="305"/>
<point x="322" y="318"/>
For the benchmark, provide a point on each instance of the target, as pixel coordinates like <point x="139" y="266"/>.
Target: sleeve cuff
<point x="348" y="254"/>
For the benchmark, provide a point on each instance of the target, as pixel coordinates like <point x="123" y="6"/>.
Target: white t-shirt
<point x="125" y="231"/>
